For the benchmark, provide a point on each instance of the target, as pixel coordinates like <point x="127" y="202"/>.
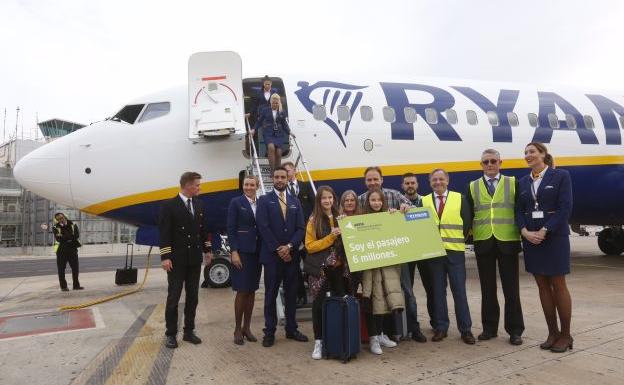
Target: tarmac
<point x="121" y="341"/>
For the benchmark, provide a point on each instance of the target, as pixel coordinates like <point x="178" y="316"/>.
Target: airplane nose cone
<point x="45" y="171"/>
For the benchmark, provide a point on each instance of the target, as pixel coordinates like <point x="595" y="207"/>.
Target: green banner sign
<point x="385" y="239"/>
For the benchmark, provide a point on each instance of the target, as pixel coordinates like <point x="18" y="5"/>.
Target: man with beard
<point x="410" y="187"/>
<point x="280" y="221"/>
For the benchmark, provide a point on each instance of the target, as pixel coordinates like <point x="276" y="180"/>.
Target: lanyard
<point x="534" y="193"/>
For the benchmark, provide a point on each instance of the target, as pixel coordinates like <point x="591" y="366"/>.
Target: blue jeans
<point x="410" y="300"/>
<point x="452" y="266"/>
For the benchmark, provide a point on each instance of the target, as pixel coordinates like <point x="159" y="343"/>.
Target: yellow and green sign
<point x="385" y="239"/>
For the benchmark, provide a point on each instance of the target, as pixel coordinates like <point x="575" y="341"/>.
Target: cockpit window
<point x="155" y="110"/>
<point x="129" y="113"/>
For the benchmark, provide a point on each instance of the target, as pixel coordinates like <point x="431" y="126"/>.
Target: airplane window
<point x="410" y="114"/>
<point x="471" y="117"/>
<point x="155" y="110"/>
<point x="451" y="116"/>
<point x="318" y="111"/>
<point x="367" y="113"/>
<point x="493" y="118"/>
<point x="128" y="114"/>
<point x="431" y="115"/>
<point x="553" y="120"/>
<point x="389" y="114"/>
<point x="344" y="114"/>
<point x="589" y="121"/>
<point x="532" y="119"/>
<point x="570" y="121"/>
<point x="622" y="122"/>
<point x="512" y="117"/>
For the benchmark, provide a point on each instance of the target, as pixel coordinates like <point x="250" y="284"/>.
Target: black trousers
<point x="63" y="256"/>
<point x="187" y="277"/>
<point x="508" y="270"/>
<point x="425" y="278"/>
<point x="337" y="285"/>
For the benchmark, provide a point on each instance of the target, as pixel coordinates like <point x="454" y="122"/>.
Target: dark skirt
<point x="247" y="278"/>
<point x="551" y="257"/>
<point x="277" y="140"/>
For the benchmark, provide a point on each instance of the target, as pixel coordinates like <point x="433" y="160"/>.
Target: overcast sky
<point x="81" y="60"/>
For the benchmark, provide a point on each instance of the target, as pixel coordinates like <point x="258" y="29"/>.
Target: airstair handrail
<point x="305" y="164"/>
<point x="254" y="157"/>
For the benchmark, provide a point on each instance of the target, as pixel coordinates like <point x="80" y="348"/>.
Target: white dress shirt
<point x="537" y="181"/>
<point x="185" y="200"/>
<point x="295" y="186"/>
<point x="437" y="201"/>
<point x="495" y="181"/>
<point x="252" y="203"/>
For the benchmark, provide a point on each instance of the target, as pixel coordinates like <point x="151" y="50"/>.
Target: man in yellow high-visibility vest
<point x="496" y="238"/>
<point x="451" y="212"/>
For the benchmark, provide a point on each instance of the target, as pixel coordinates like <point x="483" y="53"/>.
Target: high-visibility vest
<point x="494" y="215"/>
<point x="55" y="228"/>
<point x="451" y="224"/>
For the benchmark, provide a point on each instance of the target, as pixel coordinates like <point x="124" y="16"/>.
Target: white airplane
<point x="123" y="167"/>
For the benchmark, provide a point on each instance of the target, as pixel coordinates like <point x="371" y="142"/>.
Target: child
<point x="381" y="287"/>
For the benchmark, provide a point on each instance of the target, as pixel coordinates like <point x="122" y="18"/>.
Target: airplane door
<point x="215" y="89"/>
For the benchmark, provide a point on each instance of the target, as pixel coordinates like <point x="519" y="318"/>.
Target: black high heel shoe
<point x="250" y="337"/>
<point x="238" y="338"/>
<point x="550" y="341"/>
<point x="563" y="348"/>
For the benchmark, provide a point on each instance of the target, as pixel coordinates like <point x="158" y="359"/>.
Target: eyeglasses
<point x="489" y="161"/>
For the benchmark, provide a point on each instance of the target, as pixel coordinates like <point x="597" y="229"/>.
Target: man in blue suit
<point x="280" y="221"/>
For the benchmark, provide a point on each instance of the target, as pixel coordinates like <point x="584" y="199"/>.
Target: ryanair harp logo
<point x="331" y="95"/>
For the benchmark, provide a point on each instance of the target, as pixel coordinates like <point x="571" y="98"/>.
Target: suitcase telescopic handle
<point x="129" y="250"/>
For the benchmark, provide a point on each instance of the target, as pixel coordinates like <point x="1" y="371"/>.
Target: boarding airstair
<point x="262" y="169"/>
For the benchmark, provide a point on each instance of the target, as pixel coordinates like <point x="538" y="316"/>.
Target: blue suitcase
<point x="341" y="328"/>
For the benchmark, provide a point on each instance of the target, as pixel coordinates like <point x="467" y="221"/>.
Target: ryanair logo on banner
<point x="416" y="216"/>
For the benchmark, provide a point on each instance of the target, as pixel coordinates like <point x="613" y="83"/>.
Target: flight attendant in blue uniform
<point x="542" y="213"/>
<point x="244" y="243"/>
<point x="275" y="130"/>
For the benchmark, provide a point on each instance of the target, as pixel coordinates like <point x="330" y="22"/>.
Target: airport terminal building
<point x="26" y="218"/>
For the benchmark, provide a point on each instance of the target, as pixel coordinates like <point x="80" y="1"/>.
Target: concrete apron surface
<point x="124" y="343"/>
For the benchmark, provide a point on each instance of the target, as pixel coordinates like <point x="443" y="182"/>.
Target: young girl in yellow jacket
<point x="325" y="263"/>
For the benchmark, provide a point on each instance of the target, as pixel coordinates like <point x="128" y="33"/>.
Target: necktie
<point x="491" y="187"/>
<point x="441" y="206"/>
<point x="189" y="207"/>
<point x="292" y="190"/>
<point x="282" y="201"/>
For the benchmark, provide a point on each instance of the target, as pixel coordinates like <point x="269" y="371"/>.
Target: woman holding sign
<point x="326" y="262"/>
<point x="381" y="288"/>
<point x="542" y="213"/>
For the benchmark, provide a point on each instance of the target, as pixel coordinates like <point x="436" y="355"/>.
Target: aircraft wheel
<point x="219" y="273"/>
<point x="611" y="241"/>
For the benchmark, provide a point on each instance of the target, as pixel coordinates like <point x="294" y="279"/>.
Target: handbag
<point x="314" y="262"/>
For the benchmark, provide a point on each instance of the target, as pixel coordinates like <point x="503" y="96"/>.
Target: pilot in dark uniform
<point x="183" y="240"/>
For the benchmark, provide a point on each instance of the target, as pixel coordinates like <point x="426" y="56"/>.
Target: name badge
<point x="537" y="214"/>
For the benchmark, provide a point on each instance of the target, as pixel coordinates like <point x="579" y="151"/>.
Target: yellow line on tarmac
<point x="136" y="364"/>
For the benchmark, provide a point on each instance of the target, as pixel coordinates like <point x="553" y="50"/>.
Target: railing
<point x="303" y="161"/>
<point x="254" y="156"/>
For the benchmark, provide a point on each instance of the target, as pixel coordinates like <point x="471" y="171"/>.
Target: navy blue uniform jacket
<point x="270" y="125"/>
<point x="241" y="226"/>
<point x="274" y="230"/>
<point x="554" y="197"/>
